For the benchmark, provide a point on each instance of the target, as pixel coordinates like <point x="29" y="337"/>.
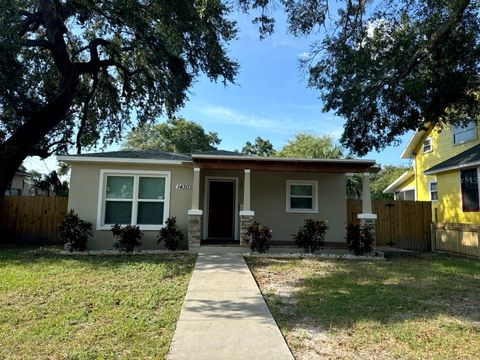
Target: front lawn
<point x="89" y="307"/>
<point x="412" y="308"/>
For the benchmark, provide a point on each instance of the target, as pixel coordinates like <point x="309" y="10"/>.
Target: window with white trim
<point x="433" y="190"/>
<point x="427" y="145"/>
<point x="469" y="190"/>
<point x="135" y="199"/>
<point x="464" y="133"/>
<point x="301" y="196"/>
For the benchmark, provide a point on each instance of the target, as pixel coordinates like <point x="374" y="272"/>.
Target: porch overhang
<point x="283" y="164"/>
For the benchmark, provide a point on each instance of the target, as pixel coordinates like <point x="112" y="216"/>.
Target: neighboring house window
<point x="464" y="133"/>
<point x="427" y="145"/>
<point x="406" y="194"/>
<point x="137" y="199"/>
<point x="469" y="188"/>
<point x="433" y="190"/>
<point x="301" y="196"/>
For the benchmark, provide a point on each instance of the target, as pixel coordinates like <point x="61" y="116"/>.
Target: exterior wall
<point x="18" y="183"/>
<point x="450" y="200"/>
<point x="83" y="198"/>
<point x="268" y="198"/>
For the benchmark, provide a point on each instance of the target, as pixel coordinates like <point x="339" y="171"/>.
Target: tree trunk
<point x="24" y="141"/>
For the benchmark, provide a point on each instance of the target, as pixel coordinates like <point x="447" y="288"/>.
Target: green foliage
<point x="261" y="147"/>
<point x="176" y="135"/>
<point x="170" y="234"/>
<point x="381" y="180"/>
<point x="80" y="72"/>
<point x="311" y="236"/>
<point x="47" y="184"/>
<point x="74" y="232"/>
<point x="312" y="146"/>
<point x="128" y="237"/>
<point x="390" y="69"/>
<point x="360" y="239"/>
<point x="258" y="236"/>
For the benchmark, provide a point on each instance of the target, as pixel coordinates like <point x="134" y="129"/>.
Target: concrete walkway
<point x="224" y="315"/>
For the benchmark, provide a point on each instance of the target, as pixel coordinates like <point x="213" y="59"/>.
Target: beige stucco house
<point x="214" y="195"/>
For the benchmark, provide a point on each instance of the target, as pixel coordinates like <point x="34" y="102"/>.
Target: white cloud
<point x="321" y="124"/>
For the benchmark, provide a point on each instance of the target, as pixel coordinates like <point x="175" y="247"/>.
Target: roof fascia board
<point x="67" y="158"/>
<point x="394" y="185"/>
<point x="271" y="159"/>
<point x="450" y="168"/>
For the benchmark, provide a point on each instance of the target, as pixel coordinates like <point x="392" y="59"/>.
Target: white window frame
<point x="458" y="130"/>
<point x="136" y="174"/>
<point x="410" y="188"/>
<point x="314" y="196"/>
<point x="429" y="141"/>
<point x="430" y="190"/>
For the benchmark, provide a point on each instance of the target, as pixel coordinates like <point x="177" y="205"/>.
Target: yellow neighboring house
<point x="446" y="163"/>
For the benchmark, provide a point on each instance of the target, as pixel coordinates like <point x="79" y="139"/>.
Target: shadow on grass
<point x="346" y="293"/>
<point x="45" y="255"/>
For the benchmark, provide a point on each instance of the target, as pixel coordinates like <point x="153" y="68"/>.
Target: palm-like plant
<point x="48" y="185"/>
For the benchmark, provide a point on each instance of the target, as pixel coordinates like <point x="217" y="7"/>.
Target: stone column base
<point x="246" y="219"/>
<point x="370" y="221"/>
<point x="194" y="227"/>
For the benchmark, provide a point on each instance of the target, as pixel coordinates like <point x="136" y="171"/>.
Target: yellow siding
<point x="407" y="184"/>
<point x="448" y="209"/>
<point x="450" y="202"/>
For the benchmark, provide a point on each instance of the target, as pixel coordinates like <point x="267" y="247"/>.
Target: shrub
<point x="258" y="236"/>
<point x="360" y="239"/>
<point x="311" y="236"/>
<point x="128" y="237"/>
<point x="170" y="234"/>
<point x="74" y="232"/>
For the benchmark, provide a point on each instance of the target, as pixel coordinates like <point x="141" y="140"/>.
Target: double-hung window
<point x="302" y="196"/>
<point x="133" y="198"/>
<point x="469" y="189"/>
<point x="427" y="145"/>
<point x="464" y="133"/>
<point x="433" y="190"/>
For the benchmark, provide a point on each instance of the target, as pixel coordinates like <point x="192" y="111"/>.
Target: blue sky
<point x="270" y="98"/>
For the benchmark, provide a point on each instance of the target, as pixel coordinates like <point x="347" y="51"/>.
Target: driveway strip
<point x="224" y="315"/>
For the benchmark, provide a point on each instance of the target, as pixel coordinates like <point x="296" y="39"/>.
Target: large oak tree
<point x="389" y="66"/>
<point x="74" y="73"/>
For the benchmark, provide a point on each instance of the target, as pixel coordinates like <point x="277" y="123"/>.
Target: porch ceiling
<point x="281" y="164"/>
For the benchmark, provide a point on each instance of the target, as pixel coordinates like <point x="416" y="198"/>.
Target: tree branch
<point x="84" y="119"/>
<point x="38" y="43"/>
<point x="435" y="39"/>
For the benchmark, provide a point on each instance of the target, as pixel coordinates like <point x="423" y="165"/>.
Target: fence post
<point x="433" y="236"/>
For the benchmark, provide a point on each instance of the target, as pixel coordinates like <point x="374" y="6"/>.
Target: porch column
<point x="366" y="218"/>
<point x="195" y="214"/>
<point x="246" y="215"/>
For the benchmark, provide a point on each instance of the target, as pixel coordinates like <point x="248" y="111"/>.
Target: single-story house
<point x="18" y="185"/>
<point x="213" y="195"/>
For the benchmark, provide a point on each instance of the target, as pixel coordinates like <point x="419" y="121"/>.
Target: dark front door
<point x="221" y="205"/>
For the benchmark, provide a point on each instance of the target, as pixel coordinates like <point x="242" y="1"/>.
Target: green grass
<point x="413" y="308"/>
<point x="89" y="307"/>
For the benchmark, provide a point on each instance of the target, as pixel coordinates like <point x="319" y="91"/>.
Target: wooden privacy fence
<point x="402" y="224"/>
<point x="32" y="219"/>
<point x="456" y="238"/>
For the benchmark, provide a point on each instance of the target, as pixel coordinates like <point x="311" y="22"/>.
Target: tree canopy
<point x="77" y="72"/>
<point x="381" y="180"/>
<point x="176" y="135"/>
<point x="305" y="145"/>
<point x="261" y="147"/>
<point x="388" y="66"/>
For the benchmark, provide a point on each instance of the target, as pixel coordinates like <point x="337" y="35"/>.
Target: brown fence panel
<point x="32" y="218"/>
<point x="403" y="224"/>
<point x="457" y="238"/>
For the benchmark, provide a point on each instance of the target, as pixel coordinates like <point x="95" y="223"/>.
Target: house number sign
<point x="183" y="187"/>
